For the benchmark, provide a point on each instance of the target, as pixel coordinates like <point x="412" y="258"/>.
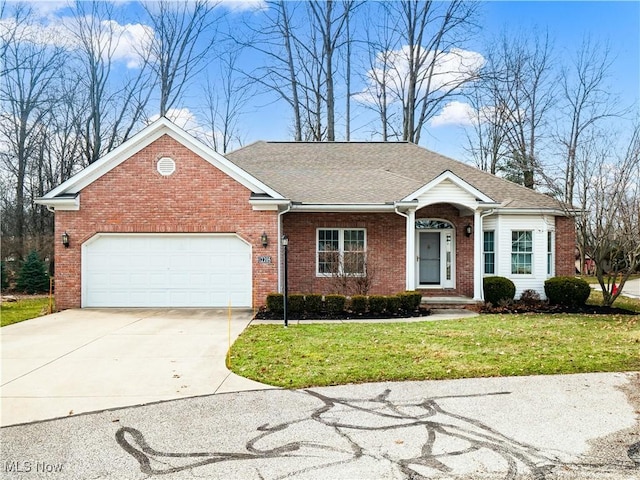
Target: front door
<point x="429" y="258"/>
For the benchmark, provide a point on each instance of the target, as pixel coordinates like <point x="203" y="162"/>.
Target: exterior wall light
<point x="468" y="230"/>
<point x="65" y="239"/>
<point x="264" y="239"/>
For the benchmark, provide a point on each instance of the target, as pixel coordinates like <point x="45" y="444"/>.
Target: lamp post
<point x="285" y="244"/>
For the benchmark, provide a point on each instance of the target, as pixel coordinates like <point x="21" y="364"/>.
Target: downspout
<point x="280" y="214"/>
<point x="481" y="227"/>
<point x="406" y="243"/>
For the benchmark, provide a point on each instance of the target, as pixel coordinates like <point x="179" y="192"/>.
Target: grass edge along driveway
<point x="321" y="354"/>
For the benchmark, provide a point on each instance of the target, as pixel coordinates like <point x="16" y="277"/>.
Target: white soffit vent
<point x="166" y="166"/>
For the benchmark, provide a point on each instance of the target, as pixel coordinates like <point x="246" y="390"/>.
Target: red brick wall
<point x="464" y="247"/>
<point x="135" y="198"/>
<point x="385" y="244"/>
<point x="565" y="246"/>
<point x="385" y="248"/>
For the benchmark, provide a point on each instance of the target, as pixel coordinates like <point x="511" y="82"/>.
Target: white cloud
<point x="129" y="40"/>
<point x="392" y="67"/>
<point x="244" y="5"/>
<point x="455" y="113"/>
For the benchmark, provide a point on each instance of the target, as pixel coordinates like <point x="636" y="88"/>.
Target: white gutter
<point x="343" y="207"/>
<point x="60" y="203"/>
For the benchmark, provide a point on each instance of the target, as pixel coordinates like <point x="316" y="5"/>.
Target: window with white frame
<point x="341" y="251"/>
<point x="550" y="245"/>
<point x="489" y="253"/>
<point x="522" y="252"/>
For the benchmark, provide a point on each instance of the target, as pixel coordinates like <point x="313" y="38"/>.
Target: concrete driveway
<point x="85" y="360"/>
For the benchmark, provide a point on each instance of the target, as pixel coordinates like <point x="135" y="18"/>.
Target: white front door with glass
<point x="435" y="253"/>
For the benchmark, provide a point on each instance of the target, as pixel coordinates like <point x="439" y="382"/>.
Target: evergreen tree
<point x="33" y="276"/>
<point x="4" y="276"/>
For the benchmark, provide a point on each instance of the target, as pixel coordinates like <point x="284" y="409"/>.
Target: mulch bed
<point x="264" y="314"/>
<point x="544" y="307"/>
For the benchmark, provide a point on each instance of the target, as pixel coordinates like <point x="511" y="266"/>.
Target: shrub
<point x="33" y="276"/>
<point x="377" y="303"/>
<point x="4" y="277"/>
<point x="335" y="303"/>
<point x="567" y="291"/>
<point x="313" y="303"/>
<point x="295" y="303"/>
<point x="393" y="304"/>
<point x="530" y="297"/>
<point x="497" y="289"/>
<point x="410" y="300"/>
<point x="275" y="302"/>
<point x="358" y="303"/>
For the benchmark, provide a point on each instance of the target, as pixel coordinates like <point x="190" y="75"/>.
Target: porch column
<point x="410" y="256"/>
<point x="477" y="256"/>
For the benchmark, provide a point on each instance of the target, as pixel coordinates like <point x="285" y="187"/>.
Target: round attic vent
<point x="166" y="166"/>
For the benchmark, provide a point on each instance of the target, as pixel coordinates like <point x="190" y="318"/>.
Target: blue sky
<point x="617" y="23"/>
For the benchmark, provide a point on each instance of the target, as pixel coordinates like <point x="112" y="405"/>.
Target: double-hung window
<point x="489" y="251"/>
<point x="341" y="251"/>
<point x="522" y="252"/>
<point x="550" y="247"/>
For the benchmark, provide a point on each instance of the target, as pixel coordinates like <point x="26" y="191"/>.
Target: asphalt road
<point x="553" y="427"/>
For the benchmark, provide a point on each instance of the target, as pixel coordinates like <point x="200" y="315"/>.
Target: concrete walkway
<point x="631" y="288"/>
<point x="84" y="360"/>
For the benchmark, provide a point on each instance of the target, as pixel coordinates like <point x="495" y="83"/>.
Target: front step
<point x="449" y="302"/>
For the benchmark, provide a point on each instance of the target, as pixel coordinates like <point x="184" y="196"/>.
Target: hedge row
<point x="312" y="304"/>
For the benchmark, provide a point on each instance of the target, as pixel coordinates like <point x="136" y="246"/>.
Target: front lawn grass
<point x="320" y="354"/>
<point x="23" y="309"/>
<point x="626" y="303"/>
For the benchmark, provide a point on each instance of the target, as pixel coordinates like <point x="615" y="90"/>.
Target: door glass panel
<point x="429" y="258"/>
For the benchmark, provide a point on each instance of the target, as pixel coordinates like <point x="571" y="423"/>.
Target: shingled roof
<point x="368" y="173"/>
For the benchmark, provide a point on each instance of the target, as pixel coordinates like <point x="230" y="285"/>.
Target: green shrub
<point x="568" y="291"/>
<point x="497" y="289"/>
<point x="313" y="303"/>
<point x="410" y="300"/>
<point x="295" y="303"/>
<point x="33" y="276"/>
<point x="4" y="277"/>
<point x="275" y="302"/>
<point x="377" y="303"/>
<point x="335" y="303"/>
<point x="393" y="304"/>
<point x="359" y="303"/>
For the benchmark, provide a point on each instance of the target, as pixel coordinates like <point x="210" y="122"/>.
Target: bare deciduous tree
<point x="521" y="73"/>
<point x="114" y="107"/>
<point x="184" y="37"/>
<point x="609" y="226"/>
<point x="224" y="101"/>
<point x="32" y="67"/>
<point x="586" y="100"/>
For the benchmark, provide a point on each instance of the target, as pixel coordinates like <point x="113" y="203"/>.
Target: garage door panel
<point x="145" y="270"/>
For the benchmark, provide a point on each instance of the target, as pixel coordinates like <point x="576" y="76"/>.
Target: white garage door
<point x="172" y="270"/>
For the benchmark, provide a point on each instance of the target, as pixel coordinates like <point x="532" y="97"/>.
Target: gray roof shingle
<point x="367" y="173"/>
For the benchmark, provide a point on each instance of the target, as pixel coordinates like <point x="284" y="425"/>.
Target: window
<point x="550" y="243"/>
<point x="341" y="251"/>
<point x="489" y="251"/>
<point x="522" y="252"/>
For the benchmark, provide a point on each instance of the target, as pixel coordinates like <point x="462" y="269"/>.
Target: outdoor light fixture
<point x="264" y="239"/>
<point x="468" y="230"/>
<point x="65" y="239"/>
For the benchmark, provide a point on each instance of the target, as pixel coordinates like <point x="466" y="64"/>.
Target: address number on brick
<point x="264" y="259"/>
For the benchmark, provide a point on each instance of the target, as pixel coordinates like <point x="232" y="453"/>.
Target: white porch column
<point x="477" y="256"/>
<point x="410" y="267"/>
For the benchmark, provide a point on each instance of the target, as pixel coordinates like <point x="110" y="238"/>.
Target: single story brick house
<point x="165" y="221"/>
